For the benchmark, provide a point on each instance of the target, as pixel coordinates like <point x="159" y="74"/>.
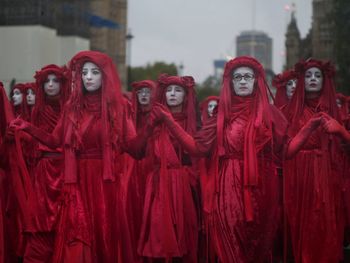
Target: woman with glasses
<point x="242" y="142"/>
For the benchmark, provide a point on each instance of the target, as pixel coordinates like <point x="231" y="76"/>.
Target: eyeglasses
<point x="246" y="77"/>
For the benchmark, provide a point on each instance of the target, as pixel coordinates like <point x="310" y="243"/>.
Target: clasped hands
<point x="329" y="124"/>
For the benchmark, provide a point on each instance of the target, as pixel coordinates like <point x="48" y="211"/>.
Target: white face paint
<point x="290" y="87"/>
<point x="17" y="97"/>
<point x="211" y="106"/>
<point x="243" y="81"/>
<point x="52" y="85"/>
<point x="339" y="103"/>
<point x="313" y="80"/>
<point x="30" y="97"/>
<point x="91" y="76"/>
<point x="144" y="96"/>
<point x="174" y="95"/>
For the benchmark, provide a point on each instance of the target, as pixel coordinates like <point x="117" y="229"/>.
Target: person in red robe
<point x="208" y="106"/>
<point x="92" y="225"/>
<point x="141" y="104"/>
<point x="170" y="222"/>
<point x="243" y="141"/>
<point x="285" y="84"/>
<point x="47" y="164"/>
<point x="18" y="100"/>
<point x="30" y="88"/>
<point x="314" y="169"/>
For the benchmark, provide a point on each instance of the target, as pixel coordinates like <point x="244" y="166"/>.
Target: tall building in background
<point x="39" y="32"/>
<point x="319" y="42"/>
<point x="256" y="44"/>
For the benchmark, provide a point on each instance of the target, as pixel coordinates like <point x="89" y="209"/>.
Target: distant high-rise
<point x="256" y="44"/>
<point x="39" y="32"/>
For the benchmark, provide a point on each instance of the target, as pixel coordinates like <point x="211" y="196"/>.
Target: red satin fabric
<point x="169" y="227"/>
<point x="314" y="178"/>
<point x="313" y="183"/>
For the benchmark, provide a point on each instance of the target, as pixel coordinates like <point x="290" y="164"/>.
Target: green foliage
<point x="210" y="87"/>
<point x="341" y="17"/>
<point x="150" y="71"/>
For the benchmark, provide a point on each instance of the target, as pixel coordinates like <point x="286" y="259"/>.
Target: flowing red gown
<point x="170" y="225"/>
<point x="236" y="239"/>
<point x="313" y="183"/>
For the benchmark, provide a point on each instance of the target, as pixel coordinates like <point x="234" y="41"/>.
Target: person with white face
<point x="313" y="80"/>
<point x="175" y="95"/>
<point x="243" y="81"/>
<point x="52" y="85"/>
<point x="30" y="97"/>
<point x="211" y="106"/>
<point x="144" y="96"/>
<point x="290" y="87"/>
<point x="91" y="76"/>
<point x="17" y="97"/>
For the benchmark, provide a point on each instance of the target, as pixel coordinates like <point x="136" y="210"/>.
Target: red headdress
<point x="189" y="109"/>
<point x="203" y="106"/>
<point x="62" y="74"/>
<point x="280" y="82"/>
<point x="137" y="86"/>
<point x="327" y="100"/>
<point x="259" y="118"/>
<point x="21" y="109"/>
<point x="111" y="113"/>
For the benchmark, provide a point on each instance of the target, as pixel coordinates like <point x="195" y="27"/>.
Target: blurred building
<point x="256" y="44"/>
<point x="35" y="33"/>
<point x="319" y="42"/>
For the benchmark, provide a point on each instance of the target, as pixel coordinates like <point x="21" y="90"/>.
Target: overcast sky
<point x="195" y="32"/>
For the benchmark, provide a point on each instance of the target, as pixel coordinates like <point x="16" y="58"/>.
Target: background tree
<point x="150" y="71"/>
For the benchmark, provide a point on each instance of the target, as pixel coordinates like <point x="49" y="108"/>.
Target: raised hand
<point x="18" y="124"/>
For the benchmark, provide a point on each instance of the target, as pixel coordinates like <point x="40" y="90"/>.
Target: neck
<point x="176" y="109"/>
<point x="312" y="95"/>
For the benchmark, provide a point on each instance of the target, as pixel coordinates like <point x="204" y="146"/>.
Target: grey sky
<point x="195" y="32"/>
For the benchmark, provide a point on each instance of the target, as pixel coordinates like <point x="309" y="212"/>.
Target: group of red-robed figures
<point x="89" y="176"/>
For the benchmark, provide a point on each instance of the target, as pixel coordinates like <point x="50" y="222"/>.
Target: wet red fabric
<point x="170" y="227"/>
<point x="314" y="177"/>
<point x="92" y="216"/>
<point x="138" y="170"/>
<point x="246" y="202"/>
<point x="46" y="174"/>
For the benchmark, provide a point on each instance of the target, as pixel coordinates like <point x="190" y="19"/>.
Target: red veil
<point x="111" y="115"/>
<point x="21" y="110"/>
<point x="280" y="82"/>
<point x="260" y="116"/>
<point x="62" y="74"/>
<point x="135" y="105"/>
<point x="204" y="107"/>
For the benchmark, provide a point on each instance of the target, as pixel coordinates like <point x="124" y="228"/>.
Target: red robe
<point x="170" y="225"/>
<point x="313" y="183"/>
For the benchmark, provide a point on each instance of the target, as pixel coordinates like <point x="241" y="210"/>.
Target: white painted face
<point x="17" y="97"/>
<point x="52" y="85"/>
<point x="30" y="97"/>
<point x="144" y="96"/>
<point x="92" y="76"/>
<point x="313" y="80"/>
<point x="243" y="81"/>
<point x="174" y="95"/>
<point x="290" y="87"/>
<point x="211" y="106"/>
